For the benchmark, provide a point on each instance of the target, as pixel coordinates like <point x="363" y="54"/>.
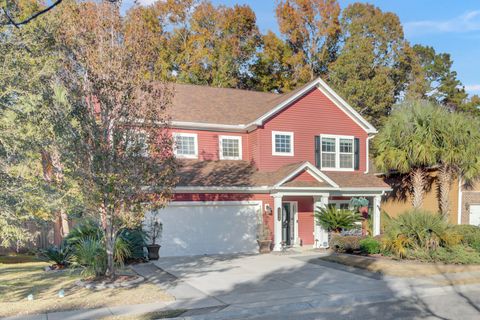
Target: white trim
<point x="184" y="134"/>
<point x="317" y="174"/>
<point x="268" y="189"/>
<point x="212" y="203"/>
<point x="208" y="126"/>
<point x="334" y="97"/>
<point x="337" y="152"/>
<point x="183" y="189"/>
<point x="460" y="199"/>
<point x="284" y="133"/>
<point x="220" y="147"/>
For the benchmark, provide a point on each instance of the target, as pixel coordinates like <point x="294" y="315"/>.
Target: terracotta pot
<point x="264" y="246"/>
<point x="153" y="251"/>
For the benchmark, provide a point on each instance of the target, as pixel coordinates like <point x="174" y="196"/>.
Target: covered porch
<point x="292" y="218"/>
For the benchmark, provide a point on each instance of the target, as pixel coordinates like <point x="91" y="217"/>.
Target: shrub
<point x="370" y="246"/>
<point x="58" y="255"/>
<point x="347" y="244"/>
<point x="90" y="256"/>
<point x="136" y="240"/>
<point x="420" y="229"/>
<point x="87" y="229"/>
<point x="470" y="235"/>
<point x="333" y="219"/>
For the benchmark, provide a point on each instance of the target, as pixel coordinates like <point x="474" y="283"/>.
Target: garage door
<point x="475" y="214"/>
<point x="197" y="228"/>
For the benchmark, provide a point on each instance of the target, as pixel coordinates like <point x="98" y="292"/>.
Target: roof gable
<point x="319" y="84"/>
<point x="233" y="109"/>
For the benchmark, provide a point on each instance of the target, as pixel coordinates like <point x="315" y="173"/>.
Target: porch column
<point x="376" y="215"/>
<point x="320" y="234"/>
<point x="277" y="222"/>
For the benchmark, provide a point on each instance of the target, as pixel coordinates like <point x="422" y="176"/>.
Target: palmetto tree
<point x="458" y="154"/>
<point x="408" y="143"/>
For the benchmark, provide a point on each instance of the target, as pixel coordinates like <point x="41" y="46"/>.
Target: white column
<point x="376" y="215"/>
<point x="277" y="222"/>
<point x="320" y="234"/>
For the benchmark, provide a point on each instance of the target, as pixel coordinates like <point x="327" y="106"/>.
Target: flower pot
<point x="264" y="246"/>
<point x="153" y="251"/>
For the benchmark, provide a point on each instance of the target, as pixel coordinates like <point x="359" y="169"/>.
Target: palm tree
<point x="408" y="143"/>
<point x="458" y="154"/>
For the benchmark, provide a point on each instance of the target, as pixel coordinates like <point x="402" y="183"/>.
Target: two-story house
<point x="251" y="157"/>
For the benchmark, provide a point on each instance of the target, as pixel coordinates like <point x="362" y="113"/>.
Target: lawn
<point x="24" y="275"/>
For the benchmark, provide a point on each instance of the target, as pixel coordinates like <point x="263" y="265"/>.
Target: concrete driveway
<point x="264" y="285"/>
<point x="238" y="279"/>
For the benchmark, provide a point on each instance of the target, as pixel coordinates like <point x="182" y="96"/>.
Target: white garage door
<point x="197" y="228"/>
<point x="475" y="214"/>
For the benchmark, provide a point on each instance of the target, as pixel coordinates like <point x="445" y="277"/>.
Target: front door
<point x="288" y="223"/>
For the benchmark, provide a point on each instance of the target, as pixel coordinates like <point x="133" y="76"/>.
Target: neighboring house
<point x="248" y="157"/>
<point x="464" y="199"/>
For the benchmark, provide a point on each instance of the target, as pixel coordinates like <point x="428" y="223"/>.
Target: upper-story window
<point x="186" y="145"/>
<point x="230" y="147"/>
<point x="137" y="143"/>
<point x="282" y="143"/>
<point x="337" y="152"/>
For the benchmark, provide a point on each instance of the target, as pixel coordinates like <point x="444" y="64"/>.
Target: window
<point x="137" y="143"/>
<point x="337" y="153"/>
<point x="230" y="147"/>
<point x="185" y="145"/>
<point x="282" y="143"/>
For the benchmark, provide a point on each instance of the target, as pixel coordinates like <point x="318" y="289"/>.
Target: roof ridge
<point x="273" y="94"/>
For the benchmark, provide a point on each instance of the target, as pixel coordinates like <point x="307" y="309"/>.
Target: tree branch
<point x="27" y="20"/>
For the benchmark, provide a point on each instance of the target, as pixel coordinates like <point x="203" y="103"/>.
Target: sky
<point x="447" y="25"/>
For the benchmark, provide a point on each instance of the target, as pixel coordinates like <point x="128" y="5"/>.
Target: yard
<point x="24" y="275"/>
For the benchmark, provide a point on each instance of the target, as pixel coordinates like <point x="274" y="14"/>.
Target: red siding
<point x="304" y="176"/>
<point x="208" y="143"/>
<point x="312" y="115"/>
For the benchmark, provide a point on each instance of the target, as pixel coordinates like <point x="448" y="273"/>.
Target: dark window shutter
<point x="356" y="148"/>
<point x="318" y="161"/>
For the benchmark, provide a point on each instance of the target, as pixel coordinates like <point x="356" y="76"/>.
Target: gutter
<point x="367" y="151"/>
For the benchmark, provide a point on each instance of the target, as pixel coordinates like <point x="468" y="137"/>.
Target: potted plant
<point x="155" y="232"/>
<point x="264" y="239"/>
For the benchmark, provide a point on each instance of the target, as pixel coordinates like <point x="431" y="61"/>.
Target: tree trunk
<point x="53" y="174"/>
<point x="444" y="183"/>
<point x="418" y="182"/>
<point x="110" y="245"/>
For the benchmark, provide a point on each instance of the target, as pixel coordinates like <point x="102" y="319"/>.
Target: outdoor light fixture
<point x="268" y="209"/>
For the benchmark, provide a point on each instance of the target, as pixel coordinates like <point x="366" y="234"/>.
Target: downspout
<point x="368" y="148"/>
<point x="460" y="196"/>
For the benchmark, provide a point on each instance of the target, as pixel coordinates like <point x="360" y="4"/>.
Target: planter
<point x="264" y="246"/>
<point x="153" y="251"/>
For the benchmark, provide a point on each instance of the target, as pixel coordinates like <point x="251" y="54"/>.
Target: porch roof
<point x="224" y="173"/>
